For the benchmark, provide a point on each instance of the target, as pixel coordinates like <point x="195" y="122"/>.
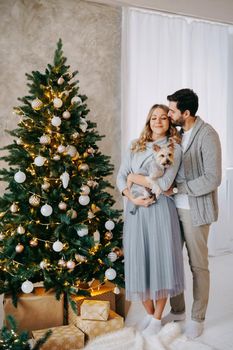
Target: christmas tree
<point x="10" y="339"/>
<point x="58" y="225"/>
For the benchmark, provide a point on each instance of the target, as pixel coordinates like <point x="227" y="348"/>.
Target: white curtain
<point x="162" y="53"/>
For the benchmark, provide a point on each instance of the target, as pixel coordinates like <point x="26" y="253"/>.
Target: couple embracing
<point x="170" y="179"/>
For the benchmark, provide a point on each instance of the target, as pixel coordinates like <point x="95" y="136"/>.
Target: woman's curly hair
<point x="146" y="135"/>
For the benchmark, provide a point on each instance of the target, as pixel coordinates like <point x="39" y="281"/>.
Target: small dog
<point x="163" y="158"/>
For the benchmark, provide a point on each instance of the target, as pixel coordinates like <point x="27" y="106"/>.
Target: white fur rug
<point x="169" y="338"/>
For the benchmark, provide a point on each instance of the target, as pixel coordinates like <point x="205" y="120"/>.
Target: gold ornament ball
<point x="19" y="248"/>
<point x="94" y="208"/>
<point x="47" y="245"/>
<point x="62" y="206"/>
<point x="83" y="167"/>
<point x="66" y="115"/>
<point x="37" y="104"/>
<point x="20" y="230"/>
<point x="80" y="258"/>
<point x="14" y="208"/>
<point x="34" y="200"/>
<point x="108" y="235"/>
<point x="118" y="251"/>
<point x="61" y="263"/>
<point x="75" y="135"/>
<point x="85" y="155"/>
<point x="72" y="213"/>
<point x="33" y="242"/>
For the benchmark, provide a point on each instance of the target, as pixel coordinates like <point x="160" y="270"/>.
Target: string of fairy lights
<point x="54" y="141"/>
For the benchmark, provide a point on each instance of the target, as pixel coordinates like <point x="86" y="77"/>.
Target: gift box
<point x="62" y="338"/>
<point x="94" y="328"/>
<point x="103" y="293"/>
<point x="95" y="310"/>
<point x="122" y="305"/>
<point x="36" y="310"/>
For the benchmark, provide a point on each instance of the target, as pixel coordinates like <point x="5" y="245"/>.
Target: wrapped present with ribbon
<point x="62" y="338"/>
<point x="101" y="293"/>
<point x="95" y="310"/>
<point x="36" y="310"/>
<point x="94" y="328"/>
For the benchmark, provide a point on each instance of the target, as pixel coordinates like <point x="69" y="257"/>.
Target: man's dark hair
<point x="186" y="99"/>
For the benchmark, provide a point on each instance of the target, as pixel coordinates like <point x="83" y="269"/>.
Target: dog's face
<point x="164" y="155"/>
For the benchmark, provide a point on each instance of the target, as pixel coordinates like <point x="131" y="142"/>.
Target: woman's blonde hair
<point x="146" y="135"/>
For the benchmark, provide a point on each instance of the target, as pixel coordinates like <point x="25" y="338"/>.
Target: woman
<point x="152" y="243"/>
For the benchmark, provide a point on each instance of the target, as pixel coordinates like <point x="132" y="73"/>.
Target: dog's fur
<point x="163" y="158"/>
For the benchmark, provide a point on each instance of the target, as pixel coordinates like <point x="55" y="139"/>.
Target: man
<point x="196" y="200"/>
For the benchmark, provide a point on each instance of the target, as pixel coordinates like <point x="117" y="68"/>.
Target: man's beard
<point x="178" y="122"/>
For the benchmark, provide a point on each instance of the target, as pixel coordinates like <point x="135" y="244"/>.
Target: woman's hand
<point x="143" y="201"/>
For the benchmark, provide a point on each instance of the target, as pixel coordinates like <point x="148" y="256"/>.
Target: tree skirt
<point x="169" y="338"/>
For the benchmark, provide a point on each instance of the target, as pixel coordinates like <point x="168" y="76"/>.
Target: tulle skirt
<point x="153" y="251"/>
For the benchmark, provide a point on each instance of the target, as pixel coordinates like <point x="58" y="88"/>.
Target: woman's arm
<point x="138" y="179"/>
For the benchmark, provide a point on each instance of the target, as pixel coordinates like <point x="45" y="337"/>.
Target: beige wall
<point x="214" y="10"/>
<point x="92" y="41"/>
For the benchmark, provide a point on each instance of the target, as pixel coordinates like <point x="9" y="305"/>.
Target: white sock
<point x="153" y="327"/>
<point x="144" y="322"/>
<point x="194" y="329"/>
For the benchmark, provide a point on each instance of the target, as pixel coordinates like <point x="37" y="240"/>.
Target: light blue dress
<point x="152" y="238"/>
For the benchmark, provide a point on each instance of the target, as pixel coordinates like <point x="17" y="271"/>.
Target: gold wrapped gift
<point x="103" y="293"/>
<point x="36" y="310"/>
<point x="62" y="338"/>
<point x="95" y="310"/>
<point x="94" y="328"/>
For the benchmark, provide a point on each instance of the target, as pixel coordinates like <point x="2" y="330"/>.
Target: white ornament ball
<point x="37" y="104"/>
<point x="20" y="230"/>
<point x="14" y="208"/>
<point x="57" y="246"/>
<point x="85" y="190"/>
<point x="60" y="81"/>
<point x="110" y="274"/>
<point x="46" y="210"/>
<point x="19" y="177"/>
<point x="66" y="115"/>
<point x="27" y="287"/>
<point x="45" y="139"/>
<point x="62" y="206"/>
<point x="116" y="290"/>
<point x="56" y="121"/>
<point x="112" y="256"/>
<point x="43" y="264"/>
<point x="39" y="161"/>
<point x="34" y="200"/>
<point x="57" y="102"/>
<point x="82" y="231"/>
<point x="56" y="157"/>
<point x="109" y="225"/>
<point x="71" y="150"/>
<point x="76" y="99"/>
<point x="2" y="236"/>
<point x="61" y="149"/>
<point x="84" y="200"/>
<point x="70" y="264"/>
<point x="19" y="141"/>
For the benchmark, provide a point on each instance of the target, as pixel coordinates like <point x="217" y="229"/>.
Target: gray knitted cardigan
<point x="202" y="167"/>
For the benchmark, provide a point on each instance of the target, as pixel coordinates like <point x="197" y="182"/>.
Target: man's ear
<point x="186" y="114"/>
<point x="156" y="148"/>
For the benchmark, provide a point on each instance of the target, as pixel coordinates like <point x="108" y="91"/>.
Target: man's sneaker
<point x="194" y="329"/>
<point x="143" y="323"/>
<point x="172" y="318"/>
